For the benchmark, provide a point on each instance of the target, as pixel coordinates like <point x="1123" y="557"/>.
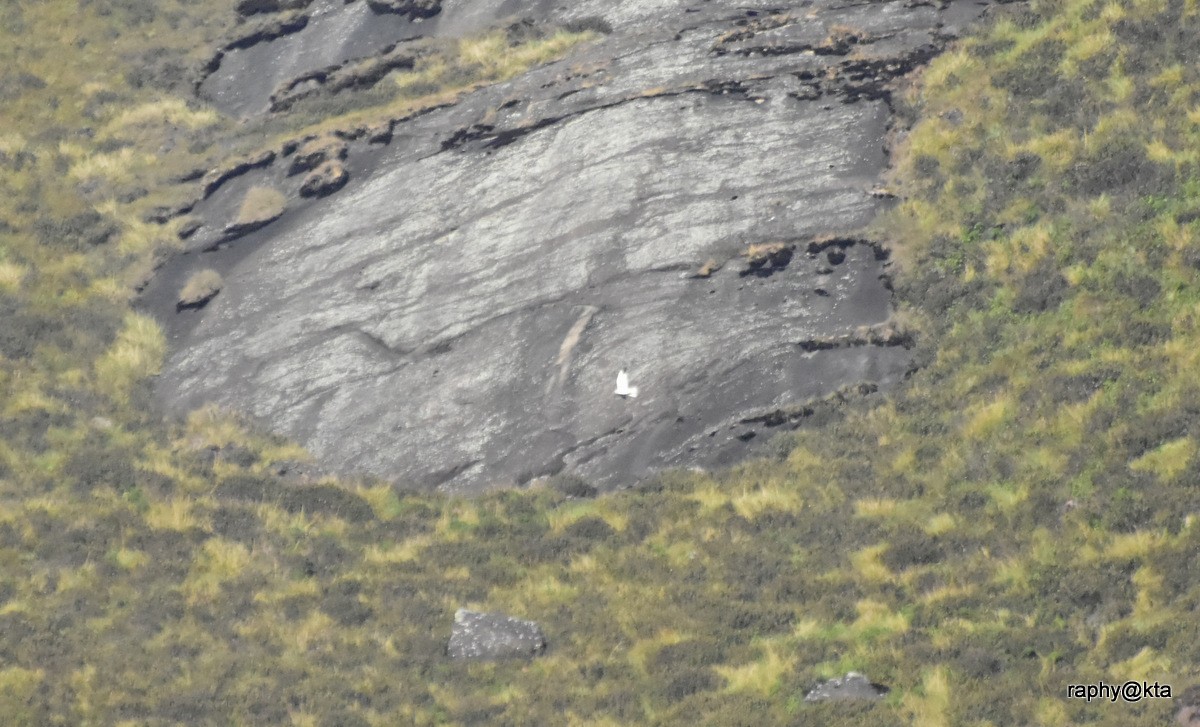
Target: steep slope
<point x="1017" y="516"/>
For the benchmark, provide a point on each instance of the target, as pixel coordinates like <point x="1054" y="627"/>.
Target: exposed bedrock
<point x="456" y="315"/>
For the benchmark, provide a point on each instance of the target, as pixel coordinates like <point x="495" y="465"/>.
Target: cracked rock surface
<point x="455" y="316"/>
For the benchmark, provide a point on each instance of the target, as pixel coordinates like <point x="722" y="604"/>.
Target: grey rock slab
<point x="456" y="315"/>
<point x="476" y="635"/>
<point x="413" y="327"/>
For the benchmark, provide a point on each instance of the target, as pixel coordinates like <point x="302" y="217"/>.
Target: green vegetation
<point x="1018" y="517"/>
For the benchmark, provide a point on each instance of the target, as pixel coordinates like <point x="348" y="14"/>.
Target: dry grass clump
<point x="260" y="206"/>
<point x="200" y="288"/>
<point x="709" y="267"/>
<point x="760" y="252"/>
<point x="841" y="38"/>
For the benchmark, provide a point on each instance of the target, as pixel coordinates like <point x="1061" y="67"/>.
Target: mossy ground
<point x="1018" y="517"/>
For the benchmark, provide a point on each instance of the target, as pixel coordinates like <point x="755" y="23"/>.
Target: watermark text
<point x="1130" y="691"/>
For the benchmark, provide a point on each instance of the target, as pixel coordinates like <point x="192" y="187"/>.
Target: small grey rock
<point x="478" y="635"/>
<point x="853" y="686"/>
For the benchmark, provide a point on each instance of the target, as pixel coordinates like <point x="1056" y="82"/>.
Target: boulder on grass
<point x="478" y="635"/>
<point x="852" y="687"/>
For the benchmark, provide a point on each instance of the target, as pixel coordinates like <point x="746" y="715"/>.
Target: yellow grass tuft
<point x="563" y="516"/>
<point x="212" y="426"/>
<point x="1147" y="664"/>
<point x="12" y="144"/>
<point x="129" y="559"/>
<point x="1012" y="573"/>
<point x="312" y="632"/>
<point x="383" y="501"/>
<point x="762" y="677"/>
<point x="260" y="205"/>
<point x="1007" y="497"/>
<point x="640" y="652"/>
<point x="986" y="417"/>
<point x="808" y="628"/>
<point x="544" y="590"/>
<point x="941" y="524"/>
<point x="1168" y="460"/>
<point x="876" y="619"/>
<point x="136" y="355"/>
<point x="884" y="508"/>
<point x="1112" y="13"/>
<point x="943" y="593"/>
<point x="200" y="287"/>
<point x="18" y="691"/>
<point x="175" y="514"/>
<point x="1088" y="46"/>
<point x="876" y="507"/>
<point x="929" y="705"/>
<point x="1052" y="712"/>
<point x="1158" y="151"/>
<point x="776" y="496"/>
<point x="457" y="517"/>
<point x="1149" y="608"/>
<point x="957" y="63"/>
<point x="868" y="566"/>
<point x="1057" y="150"/>
<point x="118" y="167"/>
<point x="219" y="562"/>
<point x="520" y="58"/>
<point x="710" y="498"/>
<point x="392" y="553"/>
<point x="11" y="275"/>
<point x="1133" y="546"/>
<point x="164" y="112"/>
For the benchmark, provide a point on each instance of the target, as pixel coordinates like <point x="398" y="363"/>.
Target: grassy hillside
<point x="1017" y="518"/>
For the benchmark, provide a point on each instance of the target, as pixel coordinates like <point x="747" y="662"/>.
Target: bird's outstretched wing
<point x="623" y="387"/>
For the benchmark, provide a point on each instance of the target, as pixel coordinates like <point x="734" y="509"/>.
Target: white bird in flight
<point x="623" y="387"/>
